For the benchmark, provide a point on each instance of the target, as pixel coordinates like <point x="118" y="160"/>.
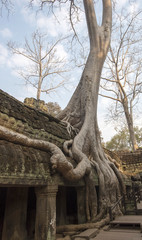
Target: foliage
<point x="121" y="140"/>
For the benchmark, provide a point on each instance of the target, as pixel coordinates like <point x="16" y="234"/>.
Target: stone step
<point x="134" y="221"/>
<point x="103" y="235"/>
<point x="87" y="234"/>
<point x="125" y="230"/>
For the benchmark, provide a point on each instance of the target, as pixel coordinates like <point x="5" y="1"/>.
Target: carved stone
<point x="45" y="227"/>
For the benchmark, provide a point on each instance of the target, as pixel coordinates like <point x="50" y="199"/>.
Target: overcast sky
<point x="21" y="23"/>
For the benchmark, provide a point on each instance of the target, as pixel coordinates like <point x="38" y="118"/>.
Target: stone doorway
<point x="3" y="191"/>
<point x="31" y="213"/>
<point x="70" y="205"/>
<point x="17" y="213"/>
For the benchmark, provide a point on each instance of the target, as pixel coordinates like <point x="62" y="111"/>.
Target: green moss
<point x="4" y="117"/>
<point x="12" y="120"/>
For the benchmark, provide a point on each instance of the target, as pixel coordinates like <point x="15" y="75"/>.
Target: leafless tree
<point x="123" y="69"/>
<point x="46" y="68"/>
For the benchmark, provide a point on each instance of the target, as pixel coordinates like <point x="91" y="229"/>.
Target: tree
<point x="81" y="114"/>
<point x="45" y="65"/>
<point x="122" y="76"/>
<point x="121" y="140"/>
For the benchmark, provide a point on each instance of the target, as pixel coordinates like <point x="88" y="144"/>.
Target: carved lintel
<point x="48" y="190"/>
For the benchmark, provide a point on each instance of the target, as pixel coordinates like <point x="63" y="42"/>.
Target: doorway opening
<point x="66" y="205"/>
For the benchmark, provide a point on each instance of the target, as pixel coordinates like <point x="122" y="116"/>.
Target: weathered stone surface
<point x="45" y="227"/>
<point x="33" y="123"/>
<point x="117" y="236"/>
<point x="19" y="162"/>
<point x="20" y="165"/>
<point x="131" y="162"/>
<point x="87" y="234"/>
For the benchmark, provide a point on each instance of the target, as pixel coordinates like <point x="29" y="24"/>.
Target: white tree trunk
<point x="129" y="120"/>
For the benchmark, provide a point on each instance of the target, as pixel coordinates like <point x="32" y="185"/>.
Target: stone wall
<point x="31" y="122"/>
<point x="37" y="104"/>
<point x="131" y="161"/>
<point x="21" y="165"/>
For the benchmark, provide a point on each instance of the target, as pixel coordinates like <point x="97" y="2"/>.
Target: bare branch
<point x="123" y="71"/>
<point x="43" y="62"/>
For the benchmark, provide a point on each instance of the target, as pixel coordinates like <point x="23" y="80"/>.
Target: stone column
<point x="15" y="214"/>
<point x="45" y="226"/>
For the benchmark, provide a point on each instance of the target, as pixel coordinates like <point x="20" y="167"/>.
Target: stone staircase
<point x="127" y="227"/>
<point x="128" y="222"/>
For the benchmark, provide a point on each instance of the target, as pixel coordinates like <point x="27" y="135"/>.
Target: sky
<point x="20" y="24"/>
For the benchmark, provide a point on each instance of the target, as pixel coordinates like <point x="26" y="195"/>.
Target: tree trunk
<point x="81" y="112"/>
<point x="129" y="120"/>
<point x="40" y="79"/>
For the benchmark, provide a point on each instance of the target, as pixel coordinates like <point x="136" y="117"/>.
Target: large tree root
<point x="57" y="159"/>
<point x="81" y="227"/>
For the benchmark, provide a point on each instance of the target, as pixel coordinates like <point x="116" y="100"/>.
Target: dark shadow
<point x="31" y="213"/>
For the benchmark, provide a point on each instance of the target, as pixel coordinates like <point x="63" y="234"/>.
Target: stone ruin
<point x="34" y="200"/>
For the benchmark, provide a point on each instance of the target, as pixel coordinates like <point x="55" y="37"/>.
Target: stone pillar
<point x="14" y="227"/>
<point x="45" y="226"/>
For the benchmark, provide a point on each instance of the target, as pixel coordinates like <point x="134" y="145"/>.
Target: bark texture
<point x="81" y="113"/>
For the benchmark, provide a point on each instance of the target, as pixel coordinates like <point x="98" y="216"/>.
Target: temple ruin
<point x="34" y="199"/>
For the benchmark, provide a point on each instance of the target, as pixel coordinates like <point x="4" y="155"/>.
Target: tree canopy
<point x="121" y="140"/>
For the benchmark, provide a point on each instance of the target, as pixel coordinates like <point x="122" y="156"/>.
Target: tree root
<point x="113" y="161"/>
<point x="100" y="215"/>
<point x="120" y="179"/>
<point x="70" y="128"/>
<point x="57" y="159"/>
<point x="81" y="227"/>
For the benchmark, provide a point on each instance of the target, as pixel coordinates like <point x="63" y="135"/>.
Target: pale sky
<point x="21" y="23"/>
